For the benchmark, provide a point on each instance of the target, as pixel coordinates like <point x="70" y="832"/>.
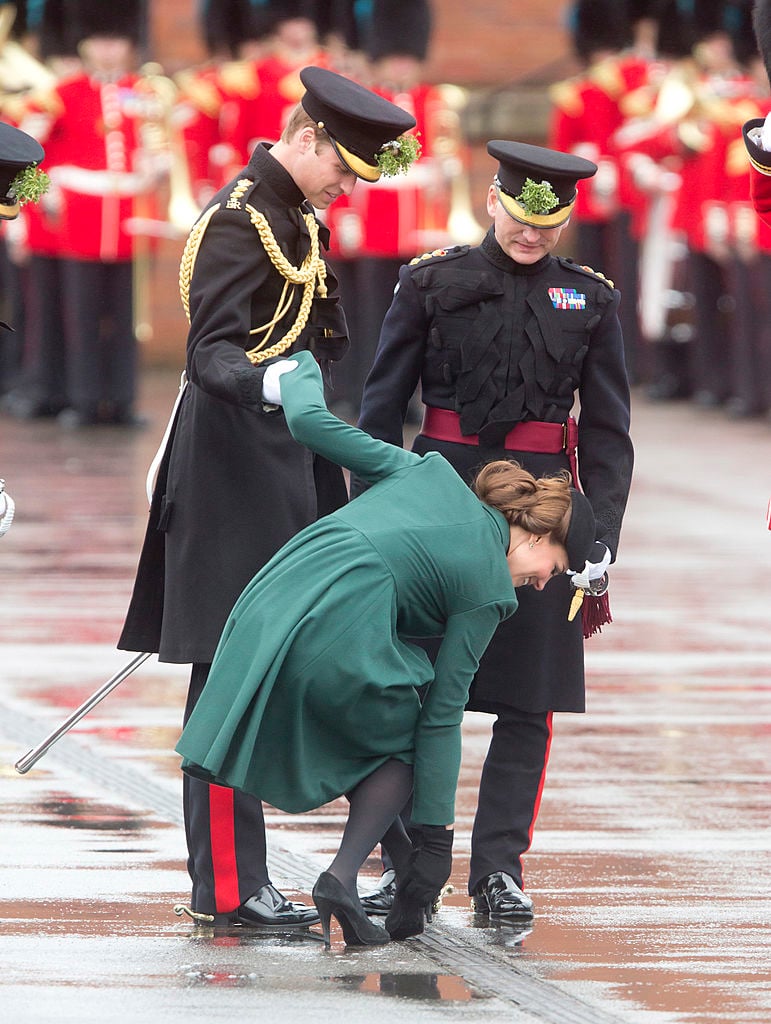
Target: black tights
<point x="374" y="814"/>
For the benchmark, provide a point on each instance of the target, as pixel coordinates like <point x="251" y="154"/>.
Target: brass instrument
<point x="162" y="135"/>
<point x="164" y="147"/>
<point x="20" y="72"/>
<point x="462" y="225"/>
<point x="665" y="304"/>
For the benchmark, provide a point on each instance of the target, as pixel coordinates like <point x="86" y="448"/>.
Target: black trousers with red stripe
<point x="225" y="832"/>
<point x="510" y="791"/>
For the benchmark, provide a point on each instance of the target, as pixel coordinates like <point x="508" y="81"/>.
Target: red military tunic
<point x="260" y="96"/>
<point x="586" y="112"/>
<point x="91" y="132"/>
<point x="201" y="104"/>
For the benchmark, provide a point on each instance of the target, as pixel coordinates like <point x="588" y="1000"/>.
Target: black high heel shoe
<point x="407" y="917"/>
<point x="333" y="899"/>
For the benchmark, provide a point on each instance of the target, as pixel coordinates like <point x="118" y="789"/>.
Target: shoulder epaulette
<point x="736" y="158"/>
<point x="566" y="96"/>
<point x="440" y="254"/>
<point x="237" y="198"/>
<point x="606" y="74"/>
<point x="240" y="78"/>
<point x="45" y="101"/>
<point x="202" y="93"/>
<point x="569" y="264"/>
<point x="639" y="102"/>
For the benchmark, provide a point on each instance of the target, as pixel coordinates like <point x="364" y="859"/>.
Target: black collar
<point x="266" y="168"/>
<point x="494" y="253"/>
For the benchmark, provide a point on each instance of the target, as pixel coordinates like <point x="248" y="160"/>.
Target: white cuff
<point x="271" y="388"/>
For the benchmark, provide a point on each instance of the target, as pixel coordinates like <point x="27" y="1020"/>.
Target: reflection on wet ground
<point x="446" y="987"/>
<point x="650" y="868"/>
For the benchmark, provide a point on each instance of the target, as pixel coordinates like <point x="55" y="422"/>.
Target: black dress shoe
<point x="268" y="908"/>
<point x="380" y="899"/>
<point x="499" y="896"/>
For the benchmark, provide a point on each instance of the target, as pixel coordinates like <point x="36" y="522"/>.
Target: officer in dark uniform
<point x="233" y="485"/>
<point x="502" y="337"/>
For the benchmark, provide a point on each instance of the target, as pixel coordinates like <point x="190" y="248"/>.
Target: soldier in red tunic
<point x="41" y="391"/>
<point x="92" y="125"/>
<point x="381" y="226"/>
<point x="262" y="87"/>
<point x="585" y="113"/>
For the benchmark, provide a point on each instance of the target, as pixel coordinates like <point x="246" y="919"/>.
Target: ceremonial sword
<point x="33" y="756"/>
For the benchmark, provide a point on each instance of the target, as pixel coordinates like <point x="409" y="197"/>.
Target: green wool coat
<point x="314" y="683"/>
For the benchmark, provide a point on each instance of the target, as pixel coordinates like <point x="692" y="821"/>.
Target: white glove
<point x="7" y="509"/>
<point x="271" y="388"/>
<point x="765" y="134"/>
<point x="593" y="570"/>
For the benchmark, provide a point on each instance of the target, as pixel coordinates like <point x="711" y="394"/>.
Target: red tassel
<point x="595" y="613"/>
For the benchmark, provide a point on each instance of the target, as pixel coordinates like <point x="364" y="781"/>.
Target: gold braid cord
<point x="311" y="275"/>
<point x="189" y="254"/>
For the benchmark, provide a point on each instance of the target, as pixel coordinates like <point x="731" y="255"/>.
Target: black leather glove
<point x="429" y="865"/>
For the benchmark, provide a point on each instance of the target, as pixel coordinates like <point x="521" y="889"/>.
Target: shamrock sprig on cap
<point x="30" y="184"/>
<point x="537" y="198"/>
<point x="396" y="157"/>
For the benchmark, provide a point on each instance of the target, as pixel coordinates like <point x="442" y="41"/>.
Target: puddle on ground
<point x="426" y="987"/>
<point x="444" y="987"/>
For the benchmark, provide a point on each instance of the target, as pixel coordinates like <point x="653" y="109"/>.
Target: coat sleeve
<point x="438" y="735"/>
<point x="396" y="368"/>
<point x="312" y="425"/>
<point x="230" y="267"/>
<point x="605" y="454"/>
<point x="397" y="365"/>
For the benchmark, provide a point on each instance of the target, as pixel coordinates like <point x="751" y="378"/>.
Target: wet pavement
<point x="651" y="866"/>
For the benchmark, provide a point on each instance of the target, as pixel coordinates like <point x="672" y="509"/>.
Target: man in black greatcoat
<point x="502" y="337"/>
<point x="233" y="486"/>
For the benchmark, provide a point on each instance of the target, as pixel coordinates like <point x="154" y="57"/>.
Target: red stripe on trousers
<point x="223" y="849"/>
<point x="537" y="805"/>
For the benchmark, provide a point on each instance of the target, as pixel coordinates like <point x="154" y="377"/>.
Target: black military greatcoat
<point x="233" y="485"/>
<point x="501" y="343"/>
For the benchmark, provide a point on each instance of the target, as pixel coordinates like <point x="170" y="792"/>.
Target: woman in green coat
<point x="316" y="647"/>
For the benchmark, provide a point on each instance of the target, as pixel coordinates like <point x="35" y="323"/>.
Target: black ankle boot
<point x="333" y="899"/>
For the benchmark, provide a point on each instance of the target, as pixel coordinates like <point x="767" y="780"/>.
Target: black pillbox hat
<point x="358" y="122"/>
<point x="519" y="161"/>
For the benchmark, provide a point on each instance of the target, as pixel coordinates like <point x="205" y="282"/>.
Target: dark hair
<point x="537" y="505"/>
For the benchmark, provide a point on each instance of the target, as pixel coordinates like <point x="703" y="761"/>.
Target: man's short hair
<point x="299" y="119"/>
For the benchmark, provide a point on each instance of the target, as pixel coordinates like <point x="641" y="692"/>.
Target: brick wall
<point x="503" y="52"/>
<point x="475" y="42"/>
